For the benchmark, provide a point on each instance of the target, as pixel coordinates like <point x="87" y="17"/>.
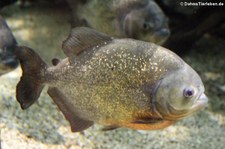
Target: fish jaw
<point x="8" y="65"/>
<point x="200" y="102"/>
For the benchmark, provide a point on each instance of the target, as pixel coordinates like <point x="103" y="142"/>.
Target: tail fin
<point x="31" y="84"/>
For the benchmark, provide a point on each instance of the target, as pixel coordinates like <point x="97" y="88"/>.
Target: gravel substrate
<point x="43" y="125"/>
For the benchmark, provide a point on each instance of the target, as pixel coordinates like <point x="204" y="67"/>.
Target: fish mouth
<point x="164" y="32"/>
<point x="201" y="102"/>
<point x="160" y="36"/>
<point x="10" y="62"/>
<point x="8" y="65"/>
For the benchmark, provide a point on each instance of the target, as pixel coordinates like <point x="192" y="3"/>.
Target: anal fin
<point x="77" y="124"/>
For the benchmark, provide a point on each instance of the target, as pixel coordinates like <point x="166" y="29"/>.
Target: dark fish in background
<point x="8" y="60"/>
<point x="189" y="24"/>
<point x="138" y="19"/>
<point x="28" y="3"/>
<point x="113" y="82"/>
<point x="4" y="3"/>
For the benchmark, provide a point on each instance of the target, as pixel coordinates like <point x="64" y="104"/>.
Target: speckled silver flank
<point x="103" y="81"/>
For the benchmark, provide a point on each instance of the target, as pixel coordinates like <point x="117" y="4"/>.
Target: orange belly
<point x="152" y="126"/>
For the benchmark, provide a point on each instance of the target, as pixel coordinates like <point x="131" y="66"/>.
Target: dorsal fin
<point x="83" y="38"/>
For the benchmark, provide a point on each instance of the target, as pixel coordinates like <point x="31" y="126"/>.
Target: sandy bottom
<point x="43" y="126"/>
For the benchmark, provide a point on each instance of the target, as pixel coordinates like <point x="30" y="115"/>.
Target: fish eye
<point x="146" y="26"/>
<point x="188" y="93"/>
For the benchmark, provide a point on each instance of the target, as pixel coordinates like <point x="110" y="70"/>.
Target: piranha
<point x="112" y="82"/>
<point x="8" y="60"/>
<point x="138" y="19"/>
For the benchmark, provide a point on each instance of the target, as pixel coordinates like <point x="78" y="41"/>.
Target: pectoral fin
<point x="77" y="124"/>
<point x="111" y="127"/>
<point x="150" y="124"/>
<point x="147" y="120"/>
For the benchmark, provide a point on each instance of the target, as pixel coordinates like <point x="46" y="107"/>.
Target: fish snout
<point x="203" y="99"/>
<point x="8" y="64"/>
<point x="163" y="32"/>
<point x="201" y="102"/>
<point x="11" y="62"/>
<point x="8" y="58"/>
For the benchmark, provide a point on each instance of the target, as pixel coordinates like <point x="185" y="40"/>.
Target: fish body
<point x="113" y="82"/>
<point x="8" y="60"/>
<point x="138" y="19"/>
